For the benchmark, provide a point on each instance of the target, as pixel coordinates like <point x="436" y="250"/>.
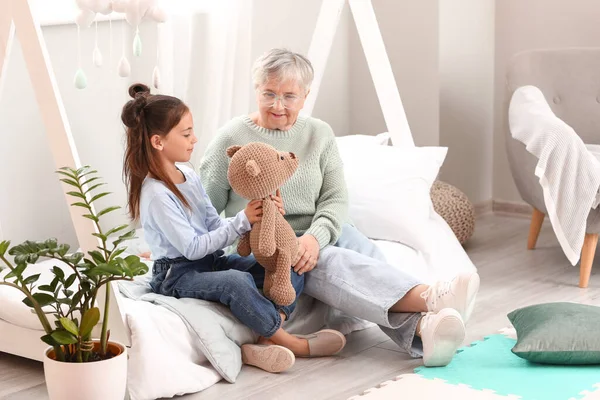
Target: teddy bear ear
<point x="252" y="168"/>
<point x="232" y="150"/>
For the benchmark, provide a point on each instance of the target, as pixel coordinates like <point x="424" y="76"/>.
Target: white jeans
<point x="353" y="277"/>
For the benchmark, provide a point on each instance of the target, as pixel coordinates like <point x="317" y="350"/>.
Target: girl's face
<point x="178" y="144"/>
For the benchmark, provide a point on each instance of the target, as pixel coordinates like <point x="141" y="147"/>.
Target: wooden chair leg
<point x="587" y="258"/>
<point x="534" y="229"/>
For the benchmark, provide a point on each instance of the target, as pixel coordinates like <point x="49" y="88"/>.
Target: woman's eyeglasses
<point x="269" y="99"/>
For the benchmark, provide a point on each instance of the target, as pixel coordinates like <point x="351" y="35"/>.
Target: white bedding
<point x="177" y="365"/>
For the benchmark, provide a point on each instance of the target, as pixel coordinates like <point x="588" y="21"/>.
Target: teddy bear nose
<point x="293" y="156"/>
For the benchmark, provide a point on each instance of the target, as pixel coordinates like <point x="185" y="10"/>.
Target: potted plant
<point x="76" y="365"/>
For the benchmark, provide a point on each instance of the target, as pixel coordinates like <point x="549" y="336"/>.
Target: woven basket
<point x="456" y="209"/>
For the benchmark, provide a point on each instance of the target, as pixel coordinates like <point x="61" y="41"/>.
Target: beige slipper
<point x="323" y="343"/>
<point x="271" y="358"/>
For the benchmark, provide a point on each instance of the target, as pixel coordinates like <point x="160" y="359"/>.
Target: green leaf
<point x="100" y="236"/>
<point x="99" y="196"/>
<point x="67" y="174"/>
<point x="117" y="229"/>
<point x="109" y="269"/>
<point x="89" y="320"/>
<point x="64" y="337"/>
<point x="76" y="194"/>
<point x="74" y="258"/>
<point x="77" y="297"/>
<point x="83" y="205"/>
<point x="64" y="301"/>
<point x="59" y="273"/>
<point x="49" y="340"/>
<point x="63" y="249"/>
<point x="54" y="283"/>
<point x="117" y="253"/>
<point x="82" y="171"/>
<point x="88" y="181"/>
<point x="46" y="288"/>
<point x="71" y="183"/>
<point x="97" y="185"/>
<point x="43" y="299"/>
<point x="97" y="256"/>
<point x="87" y="173"/>
<point x="107" y="210"/>
<point x="51" y="244"/>
<point x="70" y="281"/>
<point x="139" y="269"/>
<point x="92" y="217"/>
<point x="3" y="247"/>
<point x="69" y="326"/>
<point x="17" y="271"/>
<point x="88" y="263"/>
<point x="22" y="258"/>
<point x="31" y="279"/>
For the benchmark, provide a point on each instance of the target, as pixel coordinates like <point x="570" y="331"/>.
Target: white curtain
<point x="205" y="61"/>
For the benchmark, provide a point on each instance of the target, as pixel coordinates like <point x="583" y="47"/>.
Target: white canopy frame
<point x="377" y="60"/>
<point x="16" y="18"/>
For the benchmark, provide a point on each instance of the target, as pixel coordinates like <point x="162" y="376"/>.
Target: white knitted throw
<point x="569" y="174"/>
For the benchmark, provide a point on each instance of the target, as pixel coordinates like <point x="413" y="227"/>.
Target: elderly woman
<point x="344" y="269"/>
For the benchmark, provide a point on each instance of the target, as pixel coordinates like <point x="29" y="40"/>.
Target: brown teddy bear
<point x="256" y="171"/>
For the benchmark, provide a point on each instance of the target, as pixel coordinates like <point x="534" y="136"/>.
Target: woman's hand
<point x="278" y="202"/>
<point x="254" y="211"/>
<point x="308" y="254"/>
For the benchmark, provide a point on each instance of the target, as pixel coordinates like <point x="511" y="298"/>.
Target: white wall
<point x="410" y="33"/>
<point x="32" y="205"/>
<point x="466" y="69"/>
<point x="531" y="24"/>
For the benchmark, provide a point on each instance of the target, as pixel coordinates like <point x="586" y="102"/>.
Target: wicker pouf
<point x="456" y="209"/>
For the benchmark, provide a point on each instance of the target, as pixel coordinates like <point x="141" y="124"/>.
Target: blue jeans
<point x="353" y="276"/>
<point x="230" y="280"/>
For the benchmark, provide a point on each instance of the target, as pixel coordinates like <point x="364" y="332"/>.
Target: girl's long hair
<point x="144" y="116"/>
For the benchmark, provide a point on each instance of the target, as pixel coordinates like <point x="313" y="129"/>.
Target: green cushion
<point x="557" y="333"/>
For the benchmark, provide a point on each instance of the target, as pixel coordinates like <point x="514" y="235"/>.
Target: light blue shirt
<point x="172" y="230"/>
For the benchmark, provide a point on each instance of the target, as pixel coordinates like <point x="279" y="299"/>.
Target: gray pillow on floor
<point x="558" y="333"/>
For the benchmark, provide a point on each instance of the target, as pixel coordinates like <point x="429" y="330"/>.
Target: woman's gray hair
<point x="282" y="64"/>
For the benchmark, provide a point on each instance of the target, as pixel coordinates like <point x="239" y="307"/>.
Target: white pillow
<point x="14" y="311"/>
<point x="389" y="190"/>
<point x="164" y="360"/>
<point x="382" y="139"/>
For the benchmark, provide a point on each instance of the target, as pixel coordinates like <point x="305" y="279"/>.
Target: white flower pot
<point x="99" y="380"/>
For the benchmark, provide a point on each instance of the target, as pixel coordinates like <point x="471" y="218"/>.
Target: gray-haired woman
<point x="349" y="273"/>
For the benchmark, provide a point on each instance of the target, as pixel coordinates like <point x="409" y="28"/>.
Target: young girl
<point x="186" y="235"/>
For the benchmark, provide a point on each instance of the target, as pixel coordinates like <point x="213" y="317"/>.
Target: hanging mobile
<point x="97" y="55"/>
<point x="80" y="80"/>
<point x="124" y="67"/>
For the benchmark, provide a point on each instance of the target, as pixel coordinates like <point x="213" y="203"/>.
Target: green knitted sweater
<point x="315" y="198"/>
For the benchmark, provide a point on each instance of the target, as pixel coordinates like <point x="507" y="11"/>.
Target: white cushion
<point x="389" y="189"/>
<point x="13" y="309"/>
<point x="361" y="140"/>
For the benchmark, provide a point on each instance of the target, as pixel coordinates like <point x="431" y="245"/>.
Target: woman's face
<point x="279" y="103"/>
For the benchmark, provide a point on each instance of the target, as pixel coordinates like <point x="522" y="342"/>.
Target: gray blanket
<point x="220" y="334"/>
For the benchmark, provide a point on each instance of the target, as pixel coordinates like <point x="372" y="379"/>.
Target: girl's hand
<point x="254" y="211"/>
<point x="278" y="202"/>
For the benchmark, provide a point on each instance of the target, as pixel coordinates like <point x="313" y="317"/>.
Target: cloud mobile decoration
<point x="135" y="11"/>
